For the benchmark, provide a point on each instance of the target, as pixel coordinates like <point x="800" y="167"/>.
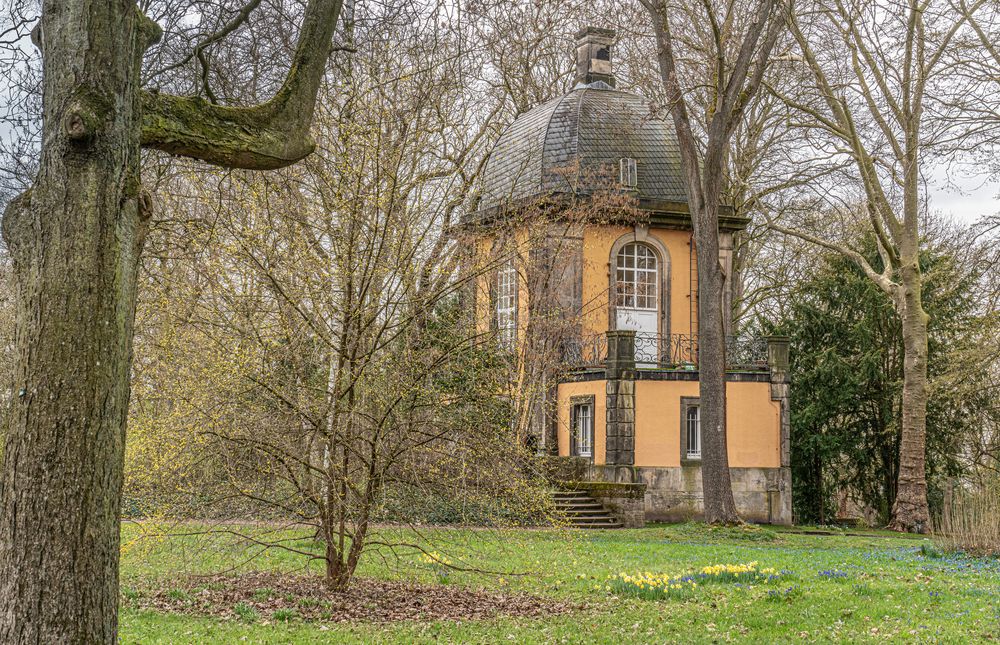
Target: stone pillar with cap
<point x="620" y="421"/>
<point x="593" y="56"/>
<point x="778" y="363"/>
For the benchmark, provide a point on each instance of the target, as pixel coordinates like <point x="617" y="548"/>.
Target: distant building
<point x="584" y="210"/>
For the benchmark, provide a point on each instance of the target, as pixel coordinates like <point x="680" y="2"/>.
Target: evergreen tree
<point x="847" y="371"/>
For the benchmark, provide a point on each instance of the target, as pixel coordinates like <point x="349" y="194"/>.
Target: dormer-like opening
<point x="628" y="173"/>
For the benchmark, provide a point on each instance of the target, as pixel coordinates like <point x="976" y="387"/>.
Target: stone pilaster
<point x="777" y="361"/>
<point x="620" y="421"/>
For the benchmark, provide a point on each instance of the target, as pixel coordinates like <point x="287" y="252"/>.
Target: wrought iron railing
<point x="674" y="351"/>
<point x="587" y="351"/>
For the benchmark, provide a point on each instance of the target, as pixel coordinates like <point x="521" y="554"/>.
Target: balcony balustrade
<point x="671" y="352"/>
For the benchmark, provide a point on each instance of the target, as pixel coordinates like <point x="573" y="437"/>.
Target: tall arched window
<point x="637" y="277"/>
<point x="637" y="299"/>
<point x="506" y="304"/>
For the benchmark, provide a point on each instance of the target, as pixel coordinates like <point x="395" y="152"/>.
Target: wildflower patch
<point x="438" y="563"/>
<point x="748" y="573"/>
<point x="650" y="586"/>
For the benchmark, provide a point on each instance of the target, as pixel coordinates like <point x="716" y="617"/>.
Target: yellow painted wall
<point x="597" y="242"/>
<point x="595" y="389"/>
<point x="754" y="423"/>
<point x="486" y="265"/>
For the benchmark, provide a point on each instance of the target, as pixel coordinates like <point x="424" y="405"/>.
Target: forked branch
<point x="261" y="137"/>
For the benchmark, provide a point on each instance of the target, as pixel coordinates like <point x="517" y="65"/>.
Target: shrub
<point x="969" y="523"/>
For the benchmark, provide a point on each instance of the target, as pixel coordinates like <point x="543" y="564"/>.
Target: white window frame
<point x="506" y="305"/>
<point x="637" y="277"/>
<point x="692" y="429"/>
<point x="628" y="172"/>
<point x="582" y="419"/>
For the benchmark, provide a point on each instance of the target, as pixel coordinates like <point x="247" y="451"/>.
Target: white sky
<point x="964" y="198"/>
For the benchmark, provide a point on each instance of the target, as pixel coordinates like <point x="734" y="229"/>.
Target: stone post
<point x="777" y="361"/>
<point x="620" y="373"/>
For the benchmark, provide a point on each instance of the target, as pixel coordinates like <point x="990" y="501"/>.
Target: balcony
<point x="669" y="352"/>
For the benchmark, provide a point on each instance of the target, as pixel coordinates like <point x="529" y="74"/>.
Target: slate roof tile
<point x="573" y="144"/>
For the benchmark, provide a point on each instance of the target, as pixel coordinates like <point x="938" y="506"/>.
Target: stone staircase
<point x="583" y="511"/>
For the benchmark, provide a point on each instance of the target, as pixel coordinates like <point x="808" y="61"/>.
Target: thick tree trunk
<point x="74" y="240"/>
<point x="910" y="512"/>
<point x="720" y="507"/>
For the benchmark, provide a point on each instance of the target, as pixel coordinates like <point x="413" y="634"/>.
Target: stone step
<point x="590" y="521"/>
<point x="583" y="511"/>
<point x="580" y="504"/>
<point x="594" y="512"/>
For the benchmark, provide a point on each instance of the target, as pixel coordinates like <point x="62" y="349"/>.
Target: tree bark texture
<point x="910" y="512"/>
<point x="75" y="240"/>
<point x="703" y="178"/>
<point x="720" y="506"/>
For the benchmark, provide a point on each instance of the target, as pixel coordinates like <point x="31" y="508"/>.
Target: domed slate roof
<point x="573" y="144"/>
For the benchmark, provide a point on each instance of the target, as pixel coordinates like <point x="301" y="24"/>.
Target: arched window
<point x="506" y="304"/>
<point x="637" y="277"/>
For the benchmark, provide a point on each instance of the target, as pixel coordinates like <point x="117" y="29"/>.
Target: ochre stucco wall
<point x="754" y="428"/>
<point x="597" y="390"/>
<point x="597" y="242"/>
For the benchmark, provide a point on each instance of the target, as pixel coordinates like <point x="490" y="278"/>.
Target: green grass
<point x="871" y="587"/>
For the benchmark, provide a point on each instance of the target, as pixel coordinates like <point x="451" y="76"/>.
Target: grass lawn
<point x="855" y="588"/>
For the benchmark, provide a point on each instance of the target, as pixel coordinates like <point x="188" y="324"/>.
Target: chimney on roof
<point x="593" y="56"/>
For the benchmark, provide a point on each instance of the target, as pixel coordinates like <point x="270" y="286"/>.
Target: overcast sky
<point x="967" y="199"/>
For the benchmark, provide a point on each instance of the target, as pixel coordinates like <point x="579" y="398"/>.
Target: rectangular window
<point x="690" y="429"/>
<point x="582" y="419"/>
<point x="506" y="304"/>
<point x="629" y="174"/>
<point x="693" y="432"/>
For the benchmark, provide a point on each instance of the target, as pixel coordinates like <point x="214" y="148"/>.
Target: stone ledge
<point x="607" y="489"/>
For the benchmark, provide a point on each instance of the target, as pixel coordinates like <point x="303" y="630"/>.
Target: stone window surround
<point x="582" y="399"/>
<point x="641" y="234"/>
<point x="687" y="402"/>
<point x="505" y="304"/>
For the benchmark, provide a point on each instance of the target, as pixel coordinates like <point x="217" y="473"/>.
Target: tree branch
<point x="261" y="137"/>
<point x="881" y="279"/>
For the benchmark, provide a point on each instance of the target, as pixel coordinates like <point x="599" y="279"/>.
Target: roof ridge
<point x="545" y="139"/>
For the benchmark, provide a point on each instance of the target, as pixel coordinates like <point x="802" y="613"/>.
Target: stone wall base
<point x="762" y="495"/>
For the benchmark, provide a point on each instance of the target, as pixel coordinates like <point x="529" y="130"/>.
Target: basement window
<point x="582" y="426"/>
<point x="628" y="172"/>
<point x="690" y="430"/>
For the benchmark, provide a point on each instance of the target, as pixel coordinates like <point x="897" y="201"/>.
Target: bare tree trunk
<point x="720" y="506"/>
<point x="703" y="179"/>
<point x="910" y="512"/>
<point x="75" y="240"/>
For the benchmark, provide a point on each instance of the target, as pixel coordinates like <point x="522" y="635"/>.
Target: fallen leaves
<point x="367" y="600"/>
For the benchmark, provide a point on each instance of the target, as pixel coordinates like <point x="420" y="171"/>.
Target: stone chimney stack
<point x="593" y="56"/>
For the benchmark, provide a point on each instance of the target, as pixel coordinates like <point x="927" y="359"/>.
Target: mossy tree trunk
<point x="75" y="240"/>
